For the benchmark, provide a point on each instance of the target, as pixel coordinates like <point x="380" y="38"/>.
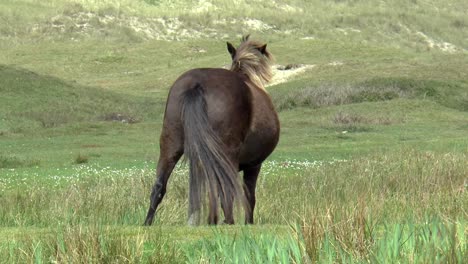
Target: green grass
<point x="371" y="166"/>
<point x="390" y="211"/>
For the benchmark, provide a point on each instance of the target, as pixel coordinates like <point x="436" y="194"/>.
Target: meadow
<point x="372" y="164"/>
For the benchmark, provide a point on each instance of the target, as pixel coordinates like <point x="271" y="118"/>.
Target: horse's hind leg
<point x="228" y="204"/>
<point x="250" y="182"/>
<point x="170" y="152"/>
<point x="213" y="213"/>
<point x="228" y="209"/>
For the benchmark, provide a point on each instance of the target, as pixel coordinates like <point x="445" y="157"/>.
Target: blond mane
<point x="252" y="59"/>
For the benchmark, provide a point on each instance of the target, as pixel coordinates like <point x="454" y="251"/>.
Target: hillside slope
<point x="30" y="100"/>
<point x="422" y="25"/>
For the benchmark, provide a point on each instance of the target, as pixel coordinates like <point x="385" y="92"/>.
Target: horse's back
<point x="225" y="86"/>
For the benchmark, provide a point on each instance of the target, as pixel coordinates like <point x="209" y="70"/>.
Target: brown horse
<point x="224" y="122"/>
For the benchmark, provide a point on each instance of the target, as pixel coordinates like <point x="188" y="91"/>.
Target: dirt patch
<point x="118" y="117"/>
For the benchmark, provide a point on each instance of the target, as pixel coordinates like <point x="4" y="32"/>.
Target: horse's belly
<point x="263" y="133"/>
<point x="258" y="145"/>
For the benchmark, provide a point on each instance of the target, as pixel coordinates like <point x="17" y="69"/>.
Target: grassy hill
<point x="371" y="162"/>
<point x="417" y="24"/>
<point x="45" y="102"/>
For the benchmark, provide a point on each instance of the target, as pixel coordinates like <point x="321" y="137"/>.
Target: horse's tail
<point x="209" y="163"/>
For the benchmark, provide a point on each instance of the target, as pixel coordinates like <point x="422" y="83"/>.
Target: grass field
<point x="372" y="163"/>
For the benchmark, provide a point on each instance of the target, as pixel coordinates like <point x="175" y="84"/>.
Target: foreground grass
<point x="407" y="206"/>
<point x="405" y="243"/>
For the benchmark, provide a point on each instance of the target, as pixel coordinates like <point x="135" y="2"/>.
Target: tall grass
<point x="397" y="186"/>
<point x="308" y="242"/>
<point x="384" y="207"/>
<point x="90" y="244"/>
<point x="246" y="247"/>
<point x="431" y="241"/>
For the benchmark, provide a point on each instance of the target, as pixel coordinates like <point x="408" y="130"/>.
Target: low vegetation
<point x="14" y="162"/>
<point x="374" y="90"/>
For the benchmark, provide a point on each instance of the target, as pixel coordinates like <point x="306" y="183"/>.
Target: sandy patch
<point x="282" y="74"/>
<point x="289" y="8"/>
<point x="167" y="28"/>
<point x="335" y="63"/>
<point x="258" y="25"/>
<point x="443" y="46"/>
<point x="203" y="6"/>
<point x="347" y="31"/>
<point x="432" y="43"/>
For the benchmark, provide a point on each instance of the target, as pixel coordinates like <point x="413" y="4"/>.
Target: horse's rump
<point x="214" y="129"/>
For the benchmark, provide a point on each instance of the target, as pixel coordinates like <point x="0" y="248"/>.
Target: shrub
<point x="15" y="162"/>
<point x="81" y="159"/>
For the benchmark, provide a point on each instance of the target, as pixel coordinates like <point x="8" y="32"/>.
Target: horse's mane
<point x="254" y="61"/>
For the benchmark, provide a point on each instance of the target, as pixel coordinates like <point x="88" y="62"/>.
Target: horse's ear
<point x="231" y="49"/>
<point x="262" y="49"/>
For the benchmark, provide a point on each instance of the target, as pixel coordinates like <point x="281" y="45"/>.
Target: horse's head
<point x="253" y="59"/>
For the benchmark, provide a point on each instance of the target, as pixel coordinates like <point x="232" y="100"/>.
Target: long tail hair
<point x="209" y="164"/>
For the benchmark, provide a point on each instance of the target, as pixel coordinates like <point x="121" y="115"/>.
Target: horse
<point x="224" y="122"/>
